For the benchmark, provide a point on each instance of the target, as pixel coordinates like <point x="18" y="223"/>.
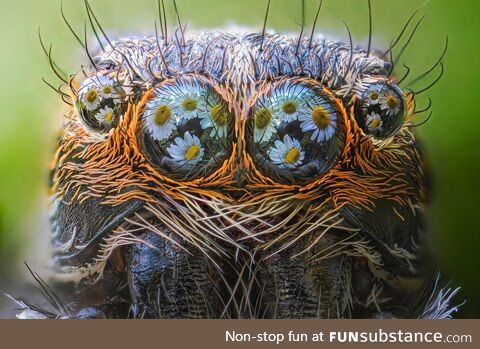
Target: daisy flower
<point x="373" y="97"/>
<point x="97" y="88"/>
<point x="107" y="90"/>
<point x="187" y="150"/>
<point x="287" y="154"/>
<point x="158" y="119"/>
<point x="187" y="100"/>
<point x="374" y="122"/>
<point x="105" y="116"/>
<point x="264" y="125"/>
<point x="99" y="81"/>
<point x="192" y="104"/>
<point x="390" y="102"/>
<point x="288" y="105"/>
<point x="91" y="98"/>
<point x="321" y="120"/>
<point x="216" y="117"/>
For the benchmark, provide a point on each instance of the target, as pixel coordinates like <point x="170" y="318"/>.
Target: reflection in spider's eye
<point x="101" y="102"/>
<point x="380" y="111"/>
<point x="185" y="128"/>
<point x="297" y="131"/>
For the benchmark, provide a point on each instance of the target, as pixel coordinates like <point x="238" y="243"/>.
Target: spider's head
<point x="232" y="141"/>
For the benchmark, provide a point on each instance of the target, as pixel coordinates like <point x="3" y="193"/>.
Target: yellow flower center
<point x="162" y="115"/>
<point x="262" y="118"/>
<point x="107" y="89"/>
<point x="218" y="114"/>
<point x="374" y="96"/>
<point x="320" y="117"/>
<point x="109" y="116"/>
<point x="192" y="152"/>
<point x="289" y="107"/>
<point x="374" y="123"/>
<point x="292" y="156"/>
<point x="91" y="96"/>
<point x="189" y="104"/>
<point x="392" y="101"/>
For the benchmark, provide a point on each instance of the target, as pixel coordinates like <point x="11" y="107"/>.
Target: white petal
<point x="176" y="151"/>
<point x="308" y="125"/>
<point x="181" y="143"/>
<point x="288" y="142"/>
<point x="330" y="132"/>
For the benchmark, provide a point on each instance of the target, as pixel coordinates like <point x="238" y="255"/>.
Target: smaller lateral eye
<point x="381" y="110"/>
<point x="101" y="102"/>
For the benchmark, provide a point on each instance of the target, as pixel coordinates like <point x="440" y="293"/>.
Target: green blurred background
<point x="30" y="112"/>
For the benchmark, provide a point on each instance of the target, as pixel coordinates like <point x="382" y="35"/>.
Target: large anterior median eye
<point x="380" y="111"/>
<point x="298" y="131"/>
<point x="101" y="102"/>
<point x="184" y="128"/>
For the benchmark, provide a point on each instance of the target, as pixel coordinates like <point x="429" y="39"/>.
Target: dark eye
<point x="298" y="131"/>
<point x="185" y="128"/>
<point x="101" y="102"/>
<point x="380" y="111"/>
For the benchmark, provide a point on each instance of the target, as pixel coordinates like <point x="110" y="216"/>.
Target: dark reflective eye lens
<point x="297" y="132"/>
<point x="184" y="128"/>
<point x="101" y="103"/>
<point x="381" y="110"/>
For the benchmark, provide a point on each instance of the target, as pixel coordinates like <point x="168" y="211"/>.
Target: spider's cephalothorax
<point x="233" y="175"/>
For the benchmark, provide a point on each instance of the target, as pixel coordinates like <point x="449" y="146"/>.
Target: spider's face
<point x="224" y="142"/>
